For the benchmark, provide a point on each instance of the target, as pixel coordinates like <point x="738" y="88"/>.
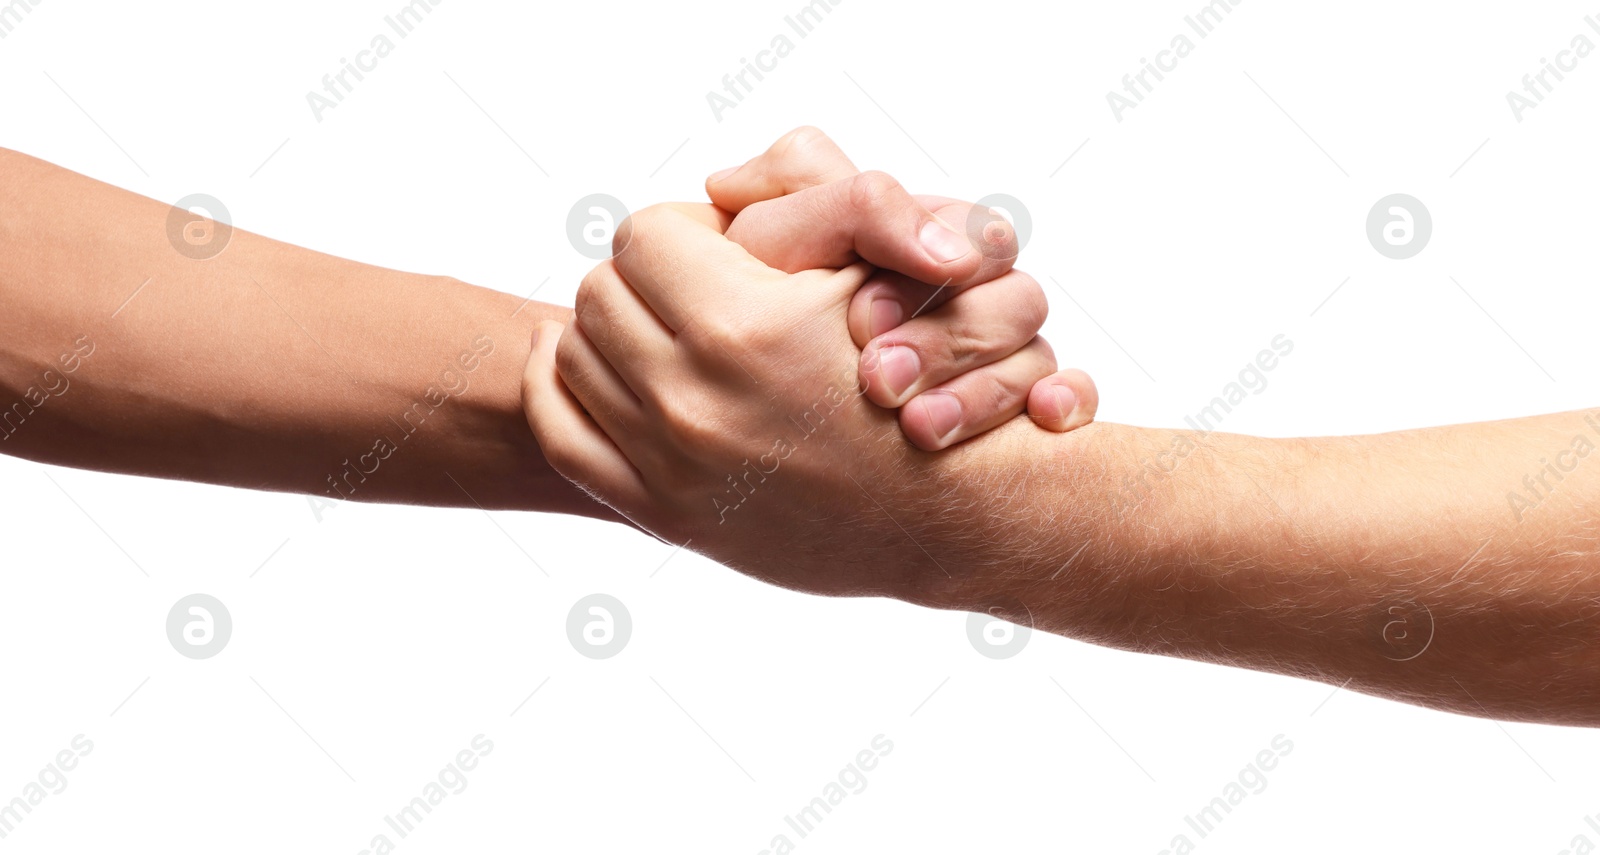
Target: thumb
<point x="1066" y="400"/>
<point x="804" y="157"/>
<point x="870" y="217"/>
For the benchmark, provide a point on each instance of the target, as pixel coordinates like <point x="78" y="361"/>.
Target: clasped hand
<point x="710" y="383"/>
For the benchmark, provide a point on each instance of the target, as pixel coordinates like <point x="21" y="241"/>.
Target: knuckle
<point x="642" y="230"/>
<point x="598" y="278"/>
<point x="805" y="157"/>
<point x="567" y="364"/>
<point x="594" y="277"/>
<point x="640" y="224"/>
<point x="994" y="394"/>
<point x="742" y="341"/>
<point x="1031" y="306"/>
<point x="646" y="219"/>
<point x="710" y="333"/>
<point x="622" y="238"/>
<point x="723" y="338"/>
<point x="682" y="421"/>
<point x="588" y="292"/>
<point x="873" y="189"/>
<point x="590" y="321"/>
<point x="592" y="306"/>
<point x="1044" y="352"/>
<point x="959" y="343"/>
<point x="800" y="142"/>
<point x="583" y="302"/>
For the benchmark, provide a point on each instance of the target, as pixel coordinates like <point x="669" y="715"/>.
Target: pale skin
<point x="270" y="366"/>
<point x="1396" y="565"/>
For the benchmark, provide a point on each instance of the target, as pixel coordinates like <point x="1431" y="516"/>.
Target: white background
<point x="377" y="641"/>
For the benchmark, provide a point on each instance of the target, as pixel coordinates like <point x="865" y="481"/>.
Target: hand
<point x="965" y="362"/>
<point x="710" y="398"/>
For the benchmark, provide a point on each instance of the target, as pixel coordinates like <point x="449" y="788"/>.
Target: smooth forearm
<point x="267" y="366"/>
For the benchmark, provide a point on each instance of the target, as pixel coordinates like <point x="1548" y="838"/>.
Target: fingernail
<point x="944" y="413"/>
<point x="898" y="367"/>
<point x="942" y="243"/>
<point x="533" y="343"/>
<point x="883" y="315"/>
<point x="718" y="176"/>
<point x="1066" y="400"/>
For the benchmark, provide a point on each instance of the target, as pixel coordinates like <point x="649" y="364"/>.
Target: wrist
<point x="1034" y="514"/>
<point x="1120" y="535"/>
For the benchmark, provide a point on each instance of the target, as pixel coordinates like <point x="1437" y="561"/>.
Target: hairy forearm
<point x="267" y="366"/>
<point x="1398" y="564"/>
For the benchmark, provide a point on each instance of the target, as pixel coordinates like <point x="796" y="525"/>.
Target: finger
<point x="871" y="217"/>
<point x="975" y="328"/>
<point x="688" y="272"/>
<point x="596" y="386"/>
<point x="804" y="157"/>
<point x="988" y="231"/>
<point x="889" y="299"/>
<point x="572" y="443"/>
<point x="709" y="216"/>
<point x="624" y="329"/>
<point x="977" y="401"/>
<point x="676" y="257"/>
<point x="1066" y="400"/>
